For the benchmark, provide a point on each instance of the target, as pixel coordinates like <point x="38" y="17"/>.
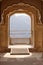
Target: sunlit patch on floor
<point x="7" y="55"/>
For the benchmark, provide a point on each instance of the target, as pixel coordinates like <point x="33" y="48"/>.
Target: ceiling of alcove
<point x="40" y="0"/>
<point x="0" y="0"/>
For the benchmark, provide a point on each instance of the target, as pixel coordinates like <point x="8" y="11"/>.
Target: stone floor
<point x="32" y="59"/>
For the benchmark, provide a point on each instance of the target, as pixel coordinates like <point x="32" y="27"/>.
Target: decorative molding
<point x="22" y="4"/>
<point x="39" y="18"/>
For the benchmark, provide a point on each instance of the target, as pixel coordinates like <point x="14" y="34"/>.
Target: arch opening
<point x="20" y="29"/>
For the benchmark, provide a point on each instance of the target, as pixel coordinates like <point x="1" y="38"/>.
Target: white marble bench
<point x="20" y="49"/>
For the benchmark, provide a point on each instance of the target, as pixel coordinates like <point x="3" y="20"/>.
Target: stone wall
<point x="36" y="3"/>
<point x="0" y="11"/>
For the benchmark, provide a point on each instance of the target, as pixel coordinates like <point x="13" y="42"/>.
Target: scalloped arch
<point x="21" y="7"/>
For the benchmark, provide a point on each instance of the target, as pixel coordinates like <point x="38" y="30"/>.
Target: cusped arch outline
<point x="21" y="7"/>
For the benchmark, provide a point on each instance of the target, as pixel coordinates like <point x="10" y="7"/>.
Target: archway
<point x="20" y="28"/>
<point x="21" y="8"/>
<point x="20" y="23"/>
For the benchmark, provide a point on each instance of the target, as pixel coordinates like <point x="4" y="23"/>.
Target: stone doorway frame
<point x="30" y="14"/>
<point x="21" y="8"/>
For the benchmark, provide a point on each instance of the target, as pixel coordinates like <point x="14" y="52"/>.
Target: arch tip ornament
<point x="21" y="4"/>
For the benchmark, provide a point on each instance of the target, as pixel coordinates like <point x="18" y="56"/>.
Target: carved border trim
<point x="21" y="4"/>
